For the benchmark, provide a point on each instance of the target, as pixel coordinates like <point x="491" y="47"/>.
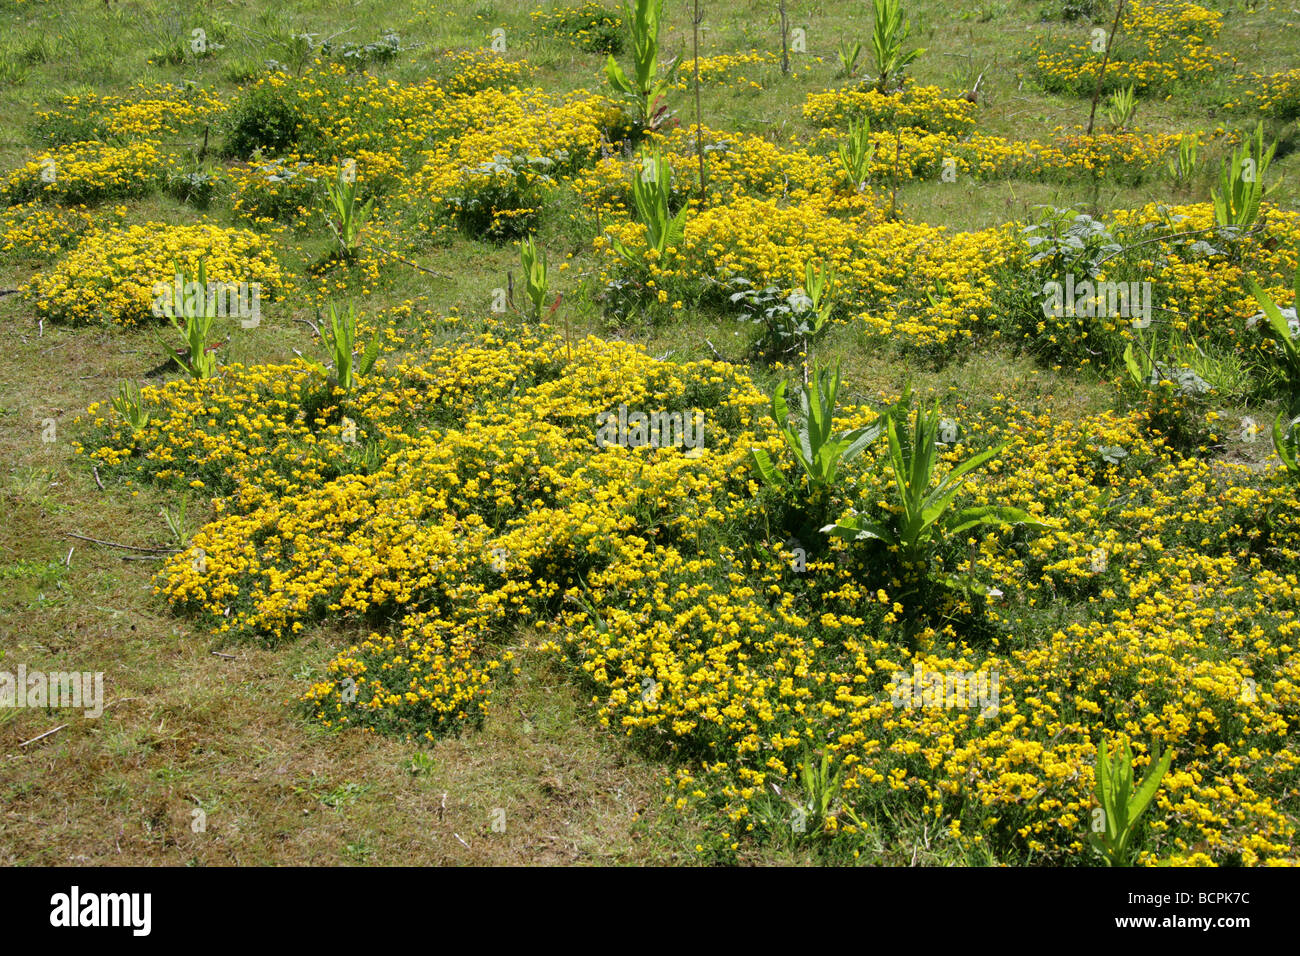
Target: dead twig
<point x="313" y="328"/>
<point x="413" y="265"/>
<point x="124" y="547"/>
<point x="1169" y="238"/>
<point x="48" y="733"/>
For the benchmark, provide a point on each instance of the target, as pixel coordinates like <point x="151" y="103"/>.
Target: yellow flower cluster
<point x="152" y="112"/>
<point x="737" y="165"/>
<point x="720" y="70"/>
<point x="497" y="148"/>
<point x="476" y="70"/>
<point x="1160" y="42"/>
<point x="36" y="231"/>
<point x="470" y="527"/>
<point x="922" y="284"/>
<point x="146" y="112"/>
<point x="1198" y="288"/>
<point x="111" y="274"/>
<point x="1208" y="294"/>
<point x="1273" y="94"/>
<point x="910" y="153"/>
<point x="587" y="26"/>
<point x="1119" y="155"/>
<point x="285" y="189"/>
<point x="90" y="172"/>
<point x="474" y="506"/>
<point x="726" y="659"/>
<point x="343" y="115"/>
<point x="921" y="107"/>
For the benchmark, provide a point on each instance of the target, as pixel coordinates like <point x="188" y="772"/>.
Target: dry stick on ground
<point x="1101" y="74"/>
<point x="413" y="265"/>
<point x="124" y="547"/>
<point x="95" y="471"/>
<point x="1169" y="238"/>
<point x="314" y="328"/>
<point x="47" y="733"/>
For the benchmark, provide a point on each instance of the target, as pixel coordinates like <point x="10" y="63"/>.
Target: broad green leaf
<point x="991" y="515"/>
<point x="617" y="78"/>
<point x="780" y="410"/>
<point x="1134" y="371"/>
<point x="1150" y="784"/>
<point x="770" y="474"/>
<point x="858" y="528"/>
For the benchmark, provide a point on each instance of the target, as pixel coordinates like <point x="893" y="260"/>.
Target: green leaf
<point x="860" y="528"/>
<point x="617" y="78"/>
<point x="990" y="515"/>
<point x="860" y="439"/>
<point x="1134" y="370"/>
<point x="368" y="357"/>
<point x="1275" y="318"/>
<point x="780" y="410"/>
<point x="771" y="476"/>
<point x="1284" y="443"/>
<point x="1150" y="785"/>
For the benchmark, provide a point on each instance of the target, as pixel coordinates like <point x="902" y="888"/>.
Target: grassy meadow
<point x="412" y="554"/>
